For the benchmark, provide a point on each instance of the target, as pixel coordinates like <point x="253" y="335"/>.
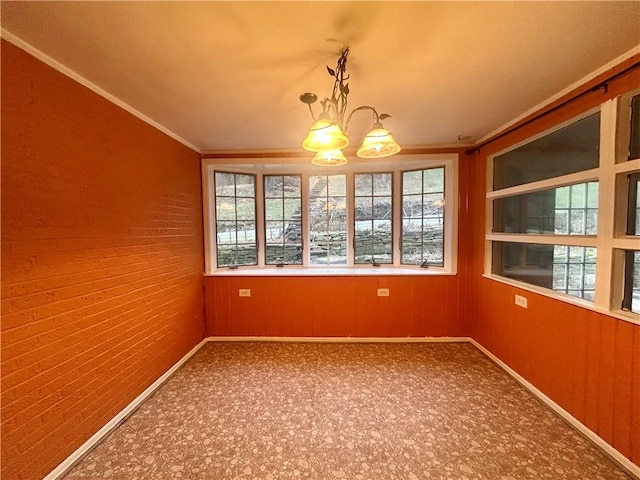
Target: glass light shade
<point x="378" y="143"/>
<point x="325" y="135"/>
<point x="331" y="158"/>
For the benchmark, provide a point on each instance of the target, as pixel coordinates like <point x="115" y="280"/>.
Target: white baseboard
<point x="611" y="452"/>
<point x="101" y="434"/>
<point x="342" y="339"/>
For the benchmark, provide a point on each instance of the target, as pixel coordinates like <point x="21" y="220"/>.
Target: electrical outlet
<point x="521" y="301"/>
<point x="383" y="292"/>
<point x="244" y="292"/>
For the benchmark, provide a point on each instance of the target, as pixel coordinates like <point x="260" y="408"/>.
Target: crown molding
<point x="554" y="98"/>
<point x="43" y="57"/>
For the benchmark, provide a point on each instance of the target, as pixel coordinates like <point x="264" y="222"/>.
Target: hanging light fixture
<point x="329" y="158"/>
<point x="328" y="133"/>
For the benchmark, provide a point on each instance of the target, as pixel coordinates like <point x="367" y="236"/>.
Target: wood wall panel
<point x="340" y="306"/>
<point x="102" y="261"/>
<point x="587" y="362"/>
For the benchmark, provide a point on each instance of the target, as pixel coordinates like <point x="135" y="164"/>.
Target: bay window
<point x="277" y="218"/>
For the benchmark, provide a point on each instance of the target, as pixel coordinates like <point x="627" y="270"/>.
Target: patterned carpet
<point x="344" y="411"/>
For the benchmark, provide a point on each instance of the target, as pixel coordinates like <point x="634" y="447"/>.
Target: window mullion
<point x="306" y="236"/>
<point x="350" y="204"/>
<point x="606" y="207"/>
<point x="208" y="215"/>
<point x="396" y="201"/>
<point x="569" y="240"/>
<point x="260" y="222"/>
<point x="554" y="182"/>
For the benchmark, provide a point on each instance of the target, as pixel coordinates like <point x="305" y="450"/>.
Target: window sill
<point x="578" y="302"/>
<point x="326" y="271"/>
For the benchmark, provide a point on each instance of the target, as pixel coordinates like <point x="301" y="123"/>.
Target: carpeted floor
<point x="344" y="411"/>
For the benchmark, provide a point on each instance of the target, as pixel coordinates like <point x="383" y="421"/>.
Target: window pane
<point x="383" y="183"/>
<point x="246" y="209"/>
<point x="364" y="184"/>
<point x="561" y="268"/>
<point x="235" y="219"/>
<point x="273" y="208"/>
<point x="423" y="217"/>
<point x="337" y="185"/>
<point x="434" y="180"/>
<point x="292" y="185"/>
<point x="631" y="299"/>
<point x="412" y="182"/>
<point x="245" y="186"/>
<point x="571" y="149"/>
<point x="226" y="208"/>
<point x="328" y="219"/>
<point x="633" y="205"/>
<point x="283" y="213"/>
<point x="559" y="211"/>
<point x="225" y="184"/>
<point x="272" y="186"/>
<point x="373" y="230"/>
<point x="382" y="208"/>
<point x="226" y="233"/>
<point x="634" y="143"/>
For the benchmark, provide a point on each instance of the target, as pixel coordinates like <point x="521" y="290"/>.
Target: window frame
<point x="373" y="196"/>
<point x="422" y="193"/>
<point x="235" y="197"/>
<point x="302" y="167"/>
<point x="264" y="218"/>
<point x="612" y="240"/>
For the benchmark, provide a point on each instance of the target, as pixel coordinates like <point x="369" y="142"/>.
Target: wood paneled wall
<point x="587" y="362"/>
<point x="348" y="306"/>
<point x="102" y="261"/>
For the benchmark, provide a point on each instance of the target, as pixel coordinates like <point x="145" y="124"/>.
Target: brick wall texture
<point x="102" y="260"/>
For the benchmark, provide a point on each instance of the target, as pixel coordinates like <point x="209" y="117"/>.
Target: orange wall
<point x="101" y="261"/>
<point x="588" y="363"/>
<point x="345" y="306"/>
<point x="102" y="284"/>
<point x="418" y="306"/>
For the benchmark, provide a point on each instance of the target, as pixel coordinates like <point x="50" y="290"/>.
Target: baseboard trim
<point x="630" y="467"/>
<point x="72" y="460"/>
<point x="341" y="339"/>
<point x="101" y="434"/>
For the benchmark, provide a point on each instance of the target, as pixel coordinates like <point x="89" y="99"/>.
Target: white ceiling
<point x="227" y="75"/>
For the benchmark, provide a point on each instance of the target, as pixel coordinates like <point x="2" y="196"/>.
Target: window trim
<point x="422" y="193"/>
<point x="611" y="240"/>
<point x="255" y="205"/>
<point x="264" y="214"/>
<point x="302" y="166"/>
<point x="393" y="211"/>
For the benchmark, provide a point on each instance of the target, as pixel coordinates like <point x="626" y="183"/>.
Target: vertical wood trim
<point x="606" y="205"/>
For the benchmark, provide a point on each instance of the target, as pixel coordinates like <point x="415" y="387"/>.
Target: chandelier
<point x="328" y="133"/>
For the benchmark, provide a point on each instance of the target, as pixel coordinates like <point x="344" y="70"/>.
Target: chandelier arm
<point x="313" y="116"/>
<point x="363" y="107"/>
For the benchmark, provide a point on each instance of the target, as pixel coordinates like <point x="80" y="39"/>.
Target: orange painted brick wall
<point x="587" y="362"/>
<point x="102" y="261"/>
